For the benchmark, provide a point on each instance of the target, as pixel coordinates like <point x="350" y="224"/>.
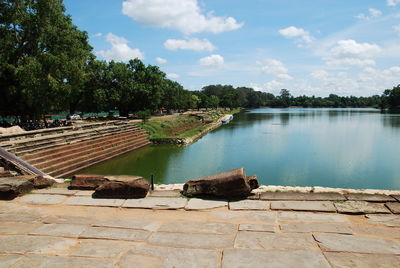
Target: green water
<point x="349" y="148"/>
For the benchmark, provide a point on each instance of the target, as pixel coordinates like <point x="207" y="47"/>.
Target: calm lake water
<point x="348" y="148"/>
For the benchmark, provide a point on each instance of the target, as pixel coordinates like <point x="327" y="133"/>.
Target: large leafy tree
<point x="42" y="58"/>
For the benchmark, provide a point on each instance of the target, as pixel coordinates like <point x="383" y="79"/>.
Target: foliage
<point x="144" y="115"/>
<point x="391" y="98"/>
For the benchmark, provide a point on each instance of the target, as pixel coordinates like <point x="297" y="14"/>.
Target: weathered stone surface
<point x="156" y="203"/>
<point x="114" y="234"/>
<point x="61" y="262"/>
<point x="84" y="193"/>
<point x="350" y="243"/>
<point x="229" y="184"/>
<point x="311" y="217"/>
<point x="266" y="217"/>
<point x="11" y="228"/>
<point x="344" y="259"/>
<point x="370" y="197"/>
<point x="301" y="196"/>
<point x="10" y="188"/>
<point x="238" y="258"/>
<point x="394" y="207"/>
<point x="62" y="230"/>
<point x="18" y="217"/>
<point x="68" y="220"/>
<point x="135" y="188"/>
<point x="7" y="260"/>
<point x="86" y="182"/>
<point x="397" y="197"/>
<point x="40" y="182"/>
<point x="263" y="240"/>
<point x="252" y="181"/>
<point x="257" y="228"/>
<point x="202" y="204"/>
<point x="165" y="193"/>
<point x="317" y="227"/>
<point x="388" y="220"/>
<point x="191" y="240"/>
<point x="42" y="199"/>
<point x="378" y="231"/>
<point x="128" y="224"/>
<point x="59" y="191"/>
<point x="154" y="256"/>
<point x="35" y="244"/>
<point x="101" y="248"/>
<point x="360" y="207"/>
<point x="325" y="206"/>
<point x="249" y="205"/>
<point x="89" y="201"/>
<point x="199" y="227"/>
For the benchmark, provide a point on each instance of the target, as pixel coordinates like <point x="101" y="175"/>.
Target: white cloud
<point x="189" y="44"/>
<point x="301" y="36"/>
<point x="185" y="16"/>
<point x="120" y="50"/>
<point x="173" y="76"/>
<point x="98" y="35"/>
<point x="351" y="53"/>
<point x="276" y="68"/>
<point x="273" y="85"/>
<point x="213" y="60"/>
<point x="320" y="74"/>
<point x="393" y="3"/>
<point x="161" y="60"/>
<point x="397" y="28"/>
<point x="373" y="13"/>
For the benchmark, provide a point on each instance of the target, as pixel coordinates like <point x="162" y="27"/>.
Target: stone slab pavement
<point x="58" y="228"/>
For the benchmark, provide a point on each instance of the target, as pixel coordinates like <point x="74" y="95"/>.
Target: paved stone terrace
<point x="62" y="228"/>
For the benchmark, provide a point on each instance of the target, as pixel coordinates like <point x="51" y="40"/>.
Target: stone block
<point x="199" y="227"/>
<point x="42" y="199"/>
<point x="128" y="224"/>
<point x="89" y="201"/>
<point x="257" y="227"/>
<point x="229" y="185"/>
<point x="203" y="204"/>
<point x="165" y="193"/>
<point x="155" y="256"/>
<point x="264" y="217"/>
<point x="114" y="234"/>
<point x="191" y="240"/>
<point x="249" y="205"/>
<point x="304" y="217"/>
<point x="64" y="219"/>
<point x="59" y="191"/>
<point x="18" y="228"/>
<point x="135" y="188"/>
<point x="86" y="182"/>
<point x="294" y="196"/>
<point x="156" y="203"/>
<point x="377" y="231"/>
<point x="360" y="207"/>
<point x="101" y="248"/>
<point x="22" y="244"/>
<point x="316" y="227"/>
<point x="18" y="217"/>
<point x="344" y="259"/>
<point x="351" y="243"/>
<point x="324" y="206"/>
<point x="370" y="197"/>
<point x="60" y="230"/>
<point x="7" y="261"/>
<point x="394" y="207"/>
<point x="238" y="258"/>
<point x="387" y="220"/>
<point x="269" y="241"/>
<point x="62" y="262"/>
<point x="10" y="188"/>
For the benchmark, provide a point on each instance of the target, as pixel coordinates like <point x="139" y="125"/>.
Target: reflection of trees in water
<point x="391" y="121"/>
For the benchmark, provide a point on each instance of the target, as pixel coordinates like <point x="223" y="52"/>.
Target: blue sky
<point x="318" y="47"/>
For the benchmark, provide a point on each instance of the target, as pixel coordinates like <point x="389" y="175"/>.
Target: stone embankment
<point x="63" y="151"/>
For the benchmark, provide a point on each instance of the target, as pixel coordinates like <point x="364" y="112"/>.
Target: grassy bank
<point x="184" y="126"/>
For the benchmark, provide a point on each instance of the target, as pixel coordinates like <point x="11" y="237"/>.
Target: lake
<point x="346" y="148"/>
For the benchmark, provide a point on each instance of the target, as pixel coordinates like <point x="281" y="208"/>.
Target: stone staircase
<point x="64" y="151"/>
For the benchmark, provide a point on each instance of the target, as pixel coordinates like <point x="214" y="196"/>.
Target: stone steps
<point x="99" y="158"/>
<point x="60" y="150"/>
<point x="75" y="153"/>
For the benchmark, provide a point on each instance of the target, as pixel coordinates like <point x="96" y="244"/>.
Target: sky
<point x="310" y="47"/>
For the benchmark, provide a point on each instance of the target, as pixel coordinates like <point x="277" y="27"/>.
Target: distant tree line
<point x="47" y="66"/>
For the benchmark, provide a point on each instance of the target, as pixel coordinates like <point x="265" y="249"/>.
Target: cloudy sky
<point x="311" y="47"/>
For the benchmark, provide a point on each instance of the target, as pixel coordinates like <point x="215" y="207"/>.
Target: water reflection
<point x="351" y="148"/>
